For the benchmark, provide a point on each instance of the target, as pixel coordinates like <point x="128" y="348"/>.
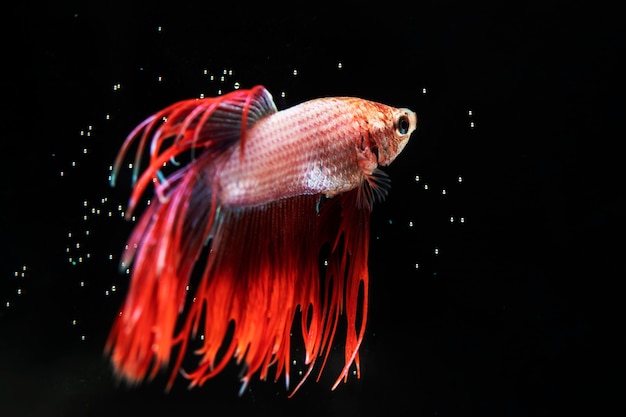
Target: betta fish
<point x="258" y="227"/>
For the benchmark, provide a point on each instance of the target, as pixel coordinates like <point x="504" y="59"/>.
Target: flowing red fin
<point x="210" y="125"/>
<point x="260" y="270"/>
<point x="168" y="239"/>
<point x="163" y="248"/>
<point x="263" y="267"/>
<point x="259" y="284"/>
<point x="348" y="267"/>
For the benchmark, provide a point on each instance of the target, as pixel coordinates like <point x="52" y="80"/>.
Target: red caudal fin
<point x="170" y="235"/>
<point x="231" y="281"/>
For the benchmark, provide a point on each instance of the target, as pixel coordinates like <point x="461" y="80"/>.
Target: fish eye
<point x="403" y="124"/>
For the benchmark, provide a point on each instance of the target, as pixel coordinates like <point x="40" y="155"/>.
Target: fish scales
<point x="306" y="149"/>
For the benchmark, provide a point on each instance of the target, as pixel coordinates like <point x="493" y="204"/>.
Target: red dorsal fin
<point x="209" y="126"/>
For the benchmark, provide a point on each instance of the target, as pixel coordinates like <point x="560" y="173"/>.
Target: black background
<point x="516" y="311"/>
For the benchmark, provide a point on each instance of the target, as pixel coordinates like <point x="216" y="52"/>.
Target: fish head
<point x="390" y="132"/>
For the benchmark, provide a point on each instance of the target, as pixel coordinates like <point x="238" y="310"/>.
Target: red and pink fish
<point x="263" y="194"/>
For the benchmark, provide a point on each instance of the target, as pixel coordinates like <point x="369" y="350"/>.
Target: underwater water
<point x="497" y="205"/>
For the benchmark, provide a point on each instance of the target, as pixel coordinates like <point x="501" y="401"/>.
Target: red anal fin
<point x="262" y="268"/>
<point x="346" y="223"/>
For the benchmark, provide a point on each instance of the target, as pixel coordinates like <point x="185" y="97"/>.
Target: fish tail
<point x="170" y="234"/>
<point x="163" y="249"/>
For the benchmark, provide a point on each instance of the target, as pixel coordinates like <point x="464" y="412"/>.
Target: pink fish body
<point x="263" y="192"/>
<point x="323" y="146"/>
